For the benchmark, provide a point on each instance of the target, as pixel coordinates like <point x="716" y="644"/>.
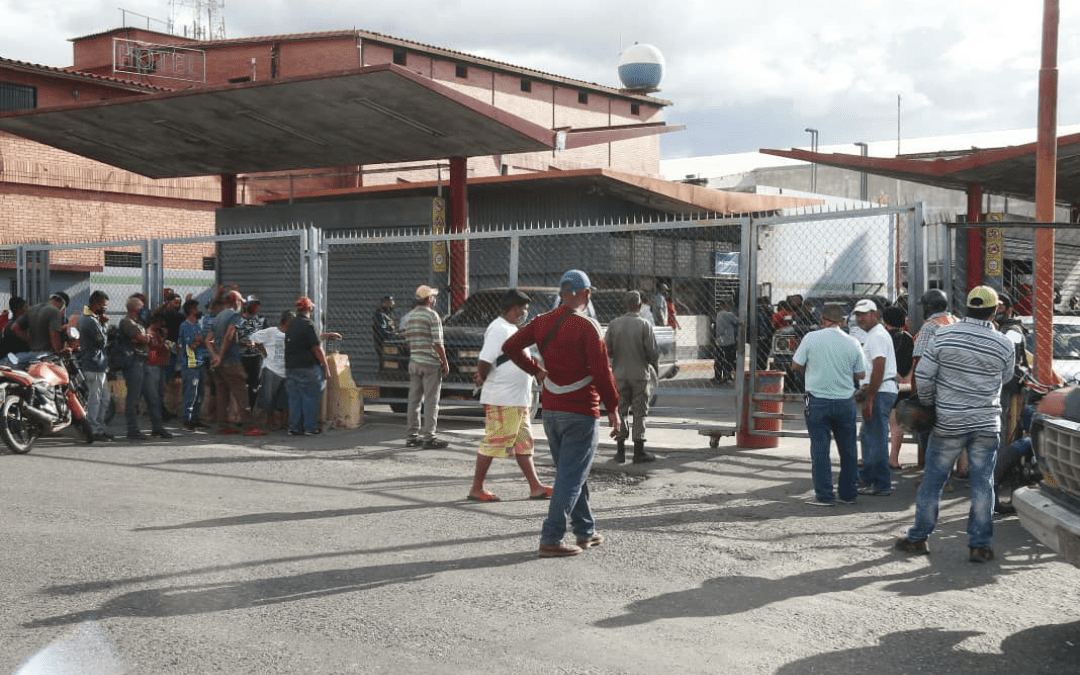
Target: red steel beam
<point x="975" y="244"/>
<point x="1045" y="195"/>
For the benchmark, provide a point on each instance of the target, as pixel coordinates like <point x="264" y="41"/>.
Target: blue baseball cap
<point x="574" y="280"/>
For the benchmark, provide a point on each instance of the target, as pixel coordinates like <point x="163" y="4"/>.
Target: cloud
<point x="740" y="75"/>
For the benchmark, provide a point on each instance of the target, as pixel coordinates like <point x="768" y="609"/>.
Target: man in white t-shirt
<point x="272" y="395"/>
<point x="507" y="399"/>
<point x="877" y="395"/>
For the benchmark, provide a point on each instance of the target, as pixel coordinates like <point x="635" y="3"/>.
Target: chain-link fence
<point x="775" y="272"/>
<point x="1003" y="255"/>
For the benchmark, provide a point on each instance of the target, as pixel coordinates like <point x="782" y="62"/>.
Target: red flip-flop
<point x="546" y="494"/>
<point x="484" y="496"/>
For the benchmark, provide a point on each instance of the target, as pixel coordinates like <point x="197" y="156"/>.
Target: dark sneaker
<point x="818" y="502"/>
<point x="907" y="546"/>
<point x="103" y="437"/>
<point x="845" y="501"/>
<point x="979" y="554"/>
<point x="136" y="436"/>
<point x="161" y="433"/>
<point x="559" y="550"/>
<point x="435" y="444"/>
<point x="313" y="432"/>
<point x="413" y="442"/>
<point x="294" y="432"/>
<point x="189" y="426"/>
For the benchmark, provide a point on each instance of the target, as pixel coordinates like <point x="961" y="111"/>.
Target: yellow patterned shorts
<point x="507" y="431"/>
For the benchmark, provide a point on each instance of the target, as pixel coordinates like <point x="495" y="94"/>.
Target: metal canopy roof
<point x="1006" y="171"/>
<point x="373" y="115"/>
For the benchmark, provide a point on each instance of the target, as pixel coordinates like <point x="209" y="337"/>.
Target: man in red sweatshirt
<point x="576" y="377"/>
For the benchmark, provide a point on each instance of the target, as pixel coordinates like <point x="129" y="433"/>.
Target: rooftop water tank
<point x="641" y="67"/>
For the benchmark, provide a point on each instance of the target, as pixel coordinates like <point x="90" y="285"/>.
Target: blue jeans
<point x="572" y="439"/>
<point x="139" y="379"/>
<point x="828" y="418"/>
<point x="875" y="444"/>
<point x="194" y="390"/>
<point x="941" y="454"/>
<point x="97" y="400"/>
<point x="305" y="387"/>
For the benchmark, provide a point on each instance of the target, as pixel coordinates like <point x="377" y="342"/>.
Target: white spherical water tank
<point x="641" y="67"/>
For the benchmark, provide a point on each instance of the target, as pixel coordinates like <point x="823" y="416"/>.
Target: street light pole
<point x="813" y="167"/>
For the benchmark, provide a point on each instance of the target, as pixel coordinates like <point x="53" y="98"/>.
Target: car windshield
<point x="1066" y="340"/>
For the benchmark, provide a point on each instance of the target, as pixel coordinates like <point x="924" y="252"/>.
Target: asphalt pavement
<point x="351" y="553"/>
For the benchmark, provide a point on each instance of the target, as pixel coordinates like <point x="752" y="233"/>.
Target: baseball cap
<point x="304" y="302"/>
<point x="62" y="297"/>
<point x="574" y="280"/>
<point x="253" y="299"/>
<point x="424" y="292"/>
<point x="865" y="305"/>
<point x="982" y="296"/>
<point x="632" y="299"/>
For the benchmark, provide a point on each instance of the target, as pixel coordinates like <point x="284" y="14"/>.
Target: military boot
<point x="620" y="451"/>
<point x="640" y="455"/>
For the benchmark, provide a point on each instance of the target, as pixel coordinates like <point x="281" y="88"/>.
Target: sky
<point x="741" y="75"/>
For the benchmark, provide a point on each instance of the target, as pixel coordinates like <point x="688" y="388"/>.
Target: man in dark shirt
<point x="306" y="371"/>
<point x="10" y="343"/>
<point x="42" y="325"/>
<point x="383" y="324"/>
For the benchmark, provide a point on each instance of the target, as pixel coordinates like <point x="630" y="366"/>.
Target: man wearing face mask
<point x="95" y="363"/>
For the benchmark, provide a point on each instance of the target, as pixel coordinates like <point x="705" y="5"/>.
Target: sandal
<point x="484" y="496"/>
<point x="546" y="494"/>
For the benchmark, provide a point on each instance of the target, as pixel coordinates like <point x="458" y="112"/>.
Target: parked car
<point x="786" y="340"/>
<point x="1051" y="510"/>
<point x="463" y="336"/>
<point x="1066" y="345"/>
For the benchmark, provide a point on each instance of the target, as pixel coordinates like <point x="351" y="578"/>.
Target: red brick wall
<point x="56" y="91"/>
<point x="31" y="214"/>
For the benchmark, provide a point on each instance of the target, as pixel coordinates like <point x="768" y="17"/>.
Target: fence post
<point x="916" y="267"/>
<point x="515" y="255"/>
<point x="154" y="283"/>
<point x="748" y="252"/>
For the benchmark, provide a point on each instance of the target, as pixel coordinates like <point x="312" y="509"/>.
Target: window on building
<point x="635" y="108"/>
<point x="7" y="255"/>
<point x="122" y="259"/>
<point x="209" y="263"/>
<point x="399" y="57"/>
<point x="526" y="85"/>
<point x="17" y="97"/>
<point x="583" y="97"/>
<point x="461" y="70"/>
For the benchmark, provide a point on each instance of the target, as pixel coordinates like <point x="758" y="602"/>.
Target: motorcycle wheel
<point x="18" y="432"/>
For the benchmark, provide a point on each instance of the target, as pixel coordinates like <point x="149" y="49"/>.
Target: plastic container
<point x="768" y="382"/>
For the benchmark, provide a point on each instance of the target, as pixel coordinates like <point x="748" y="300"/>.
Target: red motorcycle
<point x="42" y="399"/>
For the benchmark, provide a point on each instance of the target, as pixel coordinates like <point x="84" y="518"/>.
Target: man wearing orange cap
<point x="427" y="368"/>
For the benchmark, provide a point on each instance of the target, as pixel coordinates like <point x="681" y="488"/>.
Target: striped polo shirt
<point x="961" y="373"/>
<point x="423" y="330"/>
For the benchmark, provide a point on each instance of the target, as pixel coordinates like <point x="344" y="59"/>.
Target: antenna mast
<point x="197" y="19"/>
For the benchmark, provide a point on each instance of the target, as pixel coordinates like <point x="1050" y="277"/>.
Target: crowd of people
<point x="180" y="361"/>
<point x="958" y="366"/>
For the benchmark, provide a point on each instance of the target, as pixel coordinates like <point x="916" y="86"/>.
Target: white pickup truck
<point x="1051" y="510"/>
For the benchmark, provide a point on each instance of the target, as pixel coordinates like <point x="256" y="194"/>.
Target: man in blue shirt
<point x="833" y="361"/>
<point x="193" y="357"/>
